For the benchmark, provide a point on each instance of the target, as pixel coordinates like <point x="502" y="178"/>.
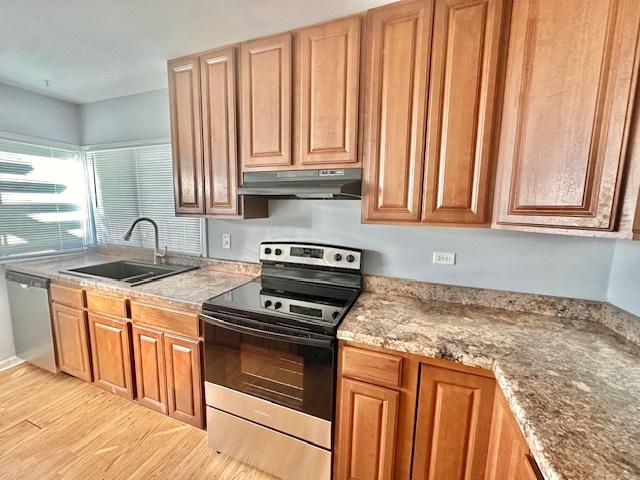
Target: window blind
<point x="43" y="201"/>
<point x="133" y="182"/>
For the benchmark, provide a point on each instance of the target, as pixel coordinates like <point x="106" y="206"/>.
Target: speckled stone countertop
<point x="186" y="290"/>
<point x="573" y="385"/>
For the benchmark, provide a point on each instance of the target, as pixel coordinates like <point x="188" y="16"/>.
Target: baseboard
<point x="10" y="363"/>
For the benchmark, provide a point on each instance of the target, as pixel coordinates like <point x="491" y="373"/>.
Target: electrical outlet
<point x="226" y="240"/>
<point x="444" y="258"/>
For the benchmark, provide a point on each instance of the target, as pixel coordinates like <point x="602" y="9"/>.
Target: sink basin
<point x="127" y="271"/>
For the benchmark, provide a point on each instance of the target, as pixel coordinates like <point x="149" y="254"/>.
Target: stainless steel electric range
<point x="270" y="359"/>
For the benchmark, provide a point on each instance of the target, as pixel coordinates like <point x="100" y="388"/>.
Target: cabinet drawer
<point x="166" y="319"/>
<point x="64" y="295"/>
<point x="374" y="367"/>
<point x="100" y="303"/>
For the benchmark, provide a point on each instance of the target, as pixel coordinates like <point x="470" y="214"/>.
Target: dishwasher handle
<point x="25" y="280"/>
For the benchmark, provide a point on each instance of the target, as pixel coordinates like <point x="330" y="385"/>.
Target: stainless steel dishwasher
<point x="31" y="319"/>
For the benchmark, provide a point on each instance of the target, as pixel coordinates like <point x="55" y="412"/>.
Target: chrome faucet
<point x="156" y="250"/>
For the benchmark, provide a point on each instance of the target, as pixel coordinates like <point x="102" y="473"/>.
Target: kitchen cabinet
<point x="149" y="361"/>
<point x="186" y="134"/>
<point x="368" y="428"/>
<point x="218" y="84"/>
<point x="509" y="457"/>
<point x="265" y="102"/>
<point x="327" y="68"/>
<point x="462" y="106"/>
<point x="405" y="416"/>
<point x="112" y="363"/>
<point x="396" y="72"/>
<point x="452" y="425"/>
<point x="202" y="104"/>
<point x="569" y="92"/>
<point x="71" y="339"/>
<point x="434" y="64"/>
<point x="184" y="379"/>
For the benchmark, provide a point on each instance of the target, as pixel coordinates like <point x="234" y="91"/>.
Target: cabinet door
<point x="266" y="101"/>
<point x="508" y="457"/>
<point x="151" y="383"/>
<point x="186" y="134"/>
<point x="184" y="379"/>
<point x="326" y="128"/>
<point x="465" y="56"/>
<point x="568" y="96"/>
<point x="453" y="425"/>
<point x="111" y="355"/>
<point x="367" y="425"/>
<point x="72" y="341"/>
<point x="396" y="73"/>
<point x="218" y="81"/>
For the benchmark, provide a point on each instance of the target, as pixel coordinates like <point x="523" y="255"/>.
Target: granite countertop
<point x="186" y="290"/>
<point x="573" y="385"/>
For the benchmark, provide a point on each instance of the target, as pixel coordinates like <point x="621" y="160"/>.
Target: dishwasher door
<point x="31" y="319"/>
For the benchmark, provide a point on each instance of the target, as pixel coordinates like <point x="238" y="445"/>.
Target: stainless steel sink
<point x="127" y="271"/>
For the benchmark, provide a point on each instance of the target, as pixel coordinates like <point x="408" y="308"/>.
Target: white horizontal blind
<point x="138" y="182"/>
<point x="43" y="201"/>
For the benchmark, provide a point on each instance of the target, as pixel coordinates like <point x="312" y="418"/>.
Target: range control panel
<point x="310" y="254"/>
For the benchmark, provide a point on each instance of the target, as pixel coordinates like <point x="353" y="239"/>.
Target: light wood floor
<point x="56" y="426"/>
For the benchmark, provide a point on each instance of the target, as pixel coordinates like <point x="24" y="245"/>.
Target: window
<point x="43" y="201"/>
<point x="133" y="182"/>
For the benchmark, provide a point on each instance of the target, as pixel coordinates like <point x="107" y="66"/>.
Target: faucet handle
<point x="164" y="252"/>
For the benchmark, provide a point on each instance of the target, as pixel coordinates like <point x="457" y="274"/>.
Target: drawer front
<point x="70" y="296"/>
<point x="166" y="319"/>
<point x="100" y="303"/>
<point x="373" y="367"/>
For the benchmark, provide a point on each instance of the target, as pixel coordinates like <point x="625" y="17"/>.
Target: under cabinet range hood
<point x="327" y="184"/>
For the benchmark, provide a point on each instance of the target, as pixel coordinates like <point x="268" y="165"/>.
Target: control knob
<point x="350" y="258"/>
<point x="277" y="305"/>
<point x="334" y="315"/>
<point x="267" y="251"/>
<point x="267" y="304"/>
<point x="278" y="251"/>
<point x="337" y="257"/>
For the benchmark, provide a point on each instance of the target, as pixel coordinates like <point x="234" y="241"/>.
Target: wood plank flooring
<point x="59" y="427"/>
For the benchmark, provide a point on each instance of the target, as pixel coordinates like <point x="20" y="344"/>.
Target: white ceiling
<point x="95" y="49"/>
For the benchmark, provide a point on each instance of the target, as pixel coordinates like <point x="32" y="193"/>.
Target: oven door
<point x="281" y="365"/>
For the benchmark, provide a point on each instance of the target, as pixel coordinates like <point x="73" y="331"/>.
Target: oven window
<point x="297" y="376"/>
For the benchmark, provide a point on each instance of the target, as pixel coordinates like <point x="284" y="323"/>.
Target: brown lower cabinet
<point x="184" y="379"/>
<point x="146" y="353"/>
<point x="151" y="383"/>
<point x="72" y="340"/>
<point x="111" y="355"/>
<point x="438" y="421"/>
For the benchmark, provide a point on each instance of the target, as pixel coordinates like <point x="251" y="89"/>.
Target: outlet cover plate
<point x="444" y="258"/>
<point x="226" y="241"/>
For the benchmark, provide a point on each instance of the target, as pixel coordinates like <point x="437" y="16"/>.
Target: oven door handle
<point x="311" y="342"/>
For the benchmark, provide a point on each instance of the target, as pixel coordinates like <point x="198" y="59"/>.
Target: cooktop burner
<point x="303" y="286"/>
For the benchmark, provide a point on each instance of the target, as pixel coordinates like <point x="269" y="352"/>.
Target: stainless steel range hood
<point x="329" y="184"/>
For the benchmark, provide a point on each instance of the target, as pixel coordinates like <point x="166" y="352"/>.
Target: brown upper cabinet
<point x="265" y="102"/>
<point x="569" y="89"/>
<point x="186" y="134"/>
<point x="327" y="68"/>
<point x="396" y="72"/>
<point x="202" y="92"/>
<point x="218" y="84"/>
<point x="431" y="84"/>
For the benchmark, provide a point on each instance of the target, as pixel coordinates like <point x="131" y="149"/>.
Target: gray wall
<point x="27" y="113"/>
<point x="30" y="114"/>
<point x="516" y="261"/>
<point x="624" y="281"/>
<point x="136" y="117"/>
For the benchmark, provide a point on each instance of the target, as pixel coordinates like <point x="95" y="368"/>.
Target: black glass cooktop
<point x="303" y="305"/>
